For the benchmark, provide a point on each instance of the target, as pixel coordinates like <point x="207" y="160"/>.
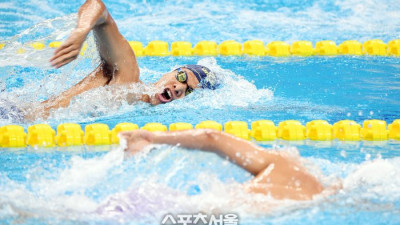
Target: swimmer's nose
<point x="178" y="92"/>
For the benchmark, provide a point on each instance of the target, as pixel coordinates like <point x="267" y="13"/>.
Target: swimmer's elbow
<point x="97" y="9"/>
<point x="104" y="14"/>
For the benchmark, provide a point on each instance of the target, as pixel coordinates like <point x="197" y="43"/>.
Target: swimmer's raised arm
<point x="119" y="61"/>
<point x="118" y="66"/>
<point x="276" y="173"/>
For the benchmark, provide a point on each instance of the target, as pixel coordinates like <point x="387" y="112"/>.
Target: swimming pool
<point x="88" y="184"/>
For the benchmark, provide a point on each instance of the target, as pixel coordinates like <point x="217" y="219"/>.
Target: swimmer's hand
<point x="137" y="140"/>
<point x="69" y="50"/>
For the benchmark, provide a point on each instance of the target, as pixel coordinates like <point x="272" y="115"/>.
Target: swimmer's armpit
<point x="113" y="49"/>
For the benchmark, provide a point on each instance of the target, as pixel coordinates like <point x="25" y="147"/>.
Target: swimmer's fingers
<point x="64" y="62"/>
<point x="61" y="51"/>
<point x="132" y="141"/>
<point x="125" y="135"/>
<point x="136" y="140"/>
<point x="69" y="49"/>
<point x="64" y="53"/>
<point x="65" y="59"/>
<point x="63" y="46"/>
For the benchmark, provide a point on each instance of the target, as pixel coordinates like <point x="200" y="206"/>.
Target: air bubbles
<point x="343" y="153"/>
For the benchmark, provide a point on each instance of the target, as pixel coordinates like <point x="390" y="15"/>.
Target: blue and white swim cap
<point x="204" y="75"/>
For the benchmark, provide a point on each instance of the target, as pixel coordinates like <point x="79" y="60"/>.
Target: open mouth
<point x="165" y="96"/>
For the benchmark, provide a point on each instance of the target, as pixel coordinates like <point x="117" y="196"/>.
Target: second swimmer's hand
<point x="69" y="50"/>
<point x="137" y="140"/>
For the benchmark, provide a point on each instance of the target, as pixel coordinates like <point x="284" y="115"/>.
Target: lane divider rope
<point x="70" y="134"/>
<point x="373" y="47"/>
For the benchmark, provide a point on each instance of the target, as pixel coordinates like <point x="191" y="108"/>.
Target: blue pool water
<point x="85" y="185"/>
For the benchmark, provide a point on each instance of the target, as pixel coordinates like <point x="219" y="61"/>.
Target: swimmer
<point x="275" y="173"/>
<point x="118" y="65"/>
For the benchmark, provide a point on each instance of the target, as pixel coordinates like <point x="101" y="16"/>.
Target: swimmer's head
<point x="206" y="78"/>
<point x="182" y="81"/>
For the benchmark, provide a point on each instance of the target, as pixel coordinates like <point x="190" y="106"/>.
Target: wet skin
<point x="118" y="62"/>
<point x="173" y="89"/>
<point x="276" y="173"/>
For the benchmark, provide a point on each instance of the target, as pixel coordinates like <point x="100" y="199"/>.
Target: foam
<point x="89" y="189"/>
<point x="111" y="101"/>
<point x="145" y="187"/>
<point x="380" y="177"/>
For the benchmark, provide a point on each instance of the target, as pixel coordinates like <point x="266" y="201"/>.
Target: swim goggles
<point x="182" y="77"/>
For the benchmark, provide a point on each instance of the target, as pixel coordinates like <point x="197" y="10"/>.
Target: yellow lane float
<point x="70" y="134"/>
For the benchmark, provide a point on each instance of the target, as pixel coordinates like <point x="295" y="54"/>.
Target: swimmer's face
<point x="172" y="88"/>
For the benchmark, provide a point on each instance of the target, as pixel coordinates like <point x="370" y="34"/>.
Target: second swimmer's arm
<point x="244" y="153"/>
<point x="275" y="173"/>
